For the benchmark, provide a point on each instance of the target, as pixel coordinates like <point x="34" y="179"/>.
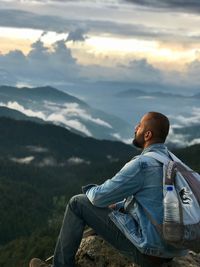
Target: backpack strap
<point x="170" y="166"/>
<point x="174" y="157"/>
<point x="153" y="221"/>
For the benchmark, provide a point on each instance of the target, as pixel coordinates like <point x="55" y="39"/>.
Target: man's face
<point x="140" y="130"/>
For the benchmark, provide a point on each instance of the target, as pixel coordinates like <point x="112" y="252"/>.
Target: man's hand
<point x="112" y="206"/>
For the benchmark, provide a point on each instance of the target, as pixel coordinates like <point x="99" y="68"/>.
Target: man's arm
<point x="125" y="183"/>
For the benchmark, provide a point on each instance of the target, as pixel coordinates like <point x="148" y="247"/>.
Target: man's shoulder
<point x="146" y="161"/>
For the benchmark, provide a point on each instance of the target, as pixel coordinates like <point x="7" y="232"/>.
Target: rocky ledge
<point x="94" y="251"/>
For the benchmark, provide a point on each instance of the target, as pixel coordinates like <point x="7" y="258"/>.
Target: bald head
<point x="158" y="124"/>
<point x="153" y="128"/>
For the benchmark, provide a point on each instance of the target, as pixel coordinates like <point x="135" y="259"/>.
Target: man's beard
<point x="138" y="141"/>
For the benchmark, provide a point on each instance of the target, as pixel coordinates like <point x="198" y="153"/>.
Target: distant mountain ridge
<point x="52" y="105"/>
<point x="38" y="93"/>
<point x="140" y="93"/>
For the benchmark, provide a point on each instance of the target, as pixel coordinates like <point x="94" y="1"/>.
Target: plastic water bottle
<point x="172" y="230"/>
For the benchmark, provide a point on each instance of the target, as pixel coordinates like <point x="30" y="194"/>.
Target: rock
<point x="94" y="251"/>
<point x="191" y="260"/>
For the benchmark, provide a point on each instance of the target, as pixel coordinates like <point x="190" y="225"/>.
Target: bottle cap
<point x="170" y="188"/>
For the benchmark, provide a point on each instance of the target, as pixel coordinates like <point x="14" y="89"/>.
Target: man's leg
<point x="80" y="212"/>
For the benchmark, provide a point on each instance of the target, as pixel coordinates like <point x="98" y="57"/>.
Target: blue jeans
<point x="79" y="213"/>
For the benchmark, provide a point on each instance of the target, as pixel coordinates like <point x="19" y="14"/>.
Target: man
<point x="118" y="209"/>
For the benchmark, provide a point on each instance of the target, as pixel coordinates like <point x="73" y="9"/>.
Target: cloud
<point x="41" y="64"/>
<point x="182" y="5"/>
<point x="59" y="66"/>
<point x="77" y="35"/>
<point x="73" y="110"/>
<point x="178" y="140"/>
<point x="146" y="97"/>
<point x="194" y="142"/>
<point x="173" y="5"/>
<point x="52" y="162"/>
<point x="181" y="132"/>
<point x="181" y="140"/>
<point x="77" y="161"/>
<point x="26" y="160"/>
<point x="49" y="161"/>
<point x="10" y="63"/>
<point x="26" y="19"/>
<point x="118" y="137"/>
<point x="37" y="149"/>
<point x="59" y="63"/>
<point x="193" y="70"/>
<point x="15" y="105"/>
<point x="111" y="159"/>
<point x="117" y="24"/>
<point x="144" y="71"/>
<point x="72" y="123"/>
<point x="7" y="77"/>
<point x="192" y="119"/>
<point x="57" y="117"/>
<point x="70" y="115"/>
<point x="135" y="71"/>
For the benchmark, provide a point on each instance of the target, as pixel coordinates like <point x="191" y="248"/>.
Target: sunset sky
<point x="68" y="41"/>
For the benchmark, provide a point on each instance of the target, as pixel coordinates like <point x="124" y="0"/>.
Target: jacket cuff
<point x="120" y="205"/>
<point x="85" y="188"/>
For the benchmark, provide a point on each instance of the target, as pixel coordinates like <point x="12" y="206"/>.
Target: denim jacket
<point x="137" y="187"/>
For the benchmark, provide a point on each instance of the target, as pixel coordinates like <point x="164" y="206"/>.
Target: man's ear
<point x="148" y="135"/>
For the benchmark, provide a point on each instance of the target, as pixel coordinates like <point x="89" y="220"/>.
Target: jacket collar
<point x="159" y="146"/>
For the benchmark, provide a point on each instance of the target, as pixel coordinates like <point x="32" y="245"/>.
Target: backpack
<point x="187" y="186"/>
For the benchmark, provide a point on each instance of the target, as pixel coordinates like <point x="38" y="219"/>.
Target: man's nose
<point x="136" y="127"/>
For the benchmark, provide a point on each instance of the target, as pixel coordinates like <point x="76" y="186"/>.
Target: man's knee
<point x="77" y="200"/>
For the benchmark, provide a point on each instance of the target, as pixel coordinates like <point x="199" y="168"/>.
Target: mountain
<point x="52" y="105"/>
<point x="47" y="93"/>
<point x="140" y="93"/>
<point x="14" y="114"/>
<point x="128" y="106"/>
<point x="20" y="138"/>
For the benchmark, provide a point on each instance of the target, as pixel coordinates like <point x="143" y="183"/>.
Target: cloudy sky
<point x="63" y="42"/>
